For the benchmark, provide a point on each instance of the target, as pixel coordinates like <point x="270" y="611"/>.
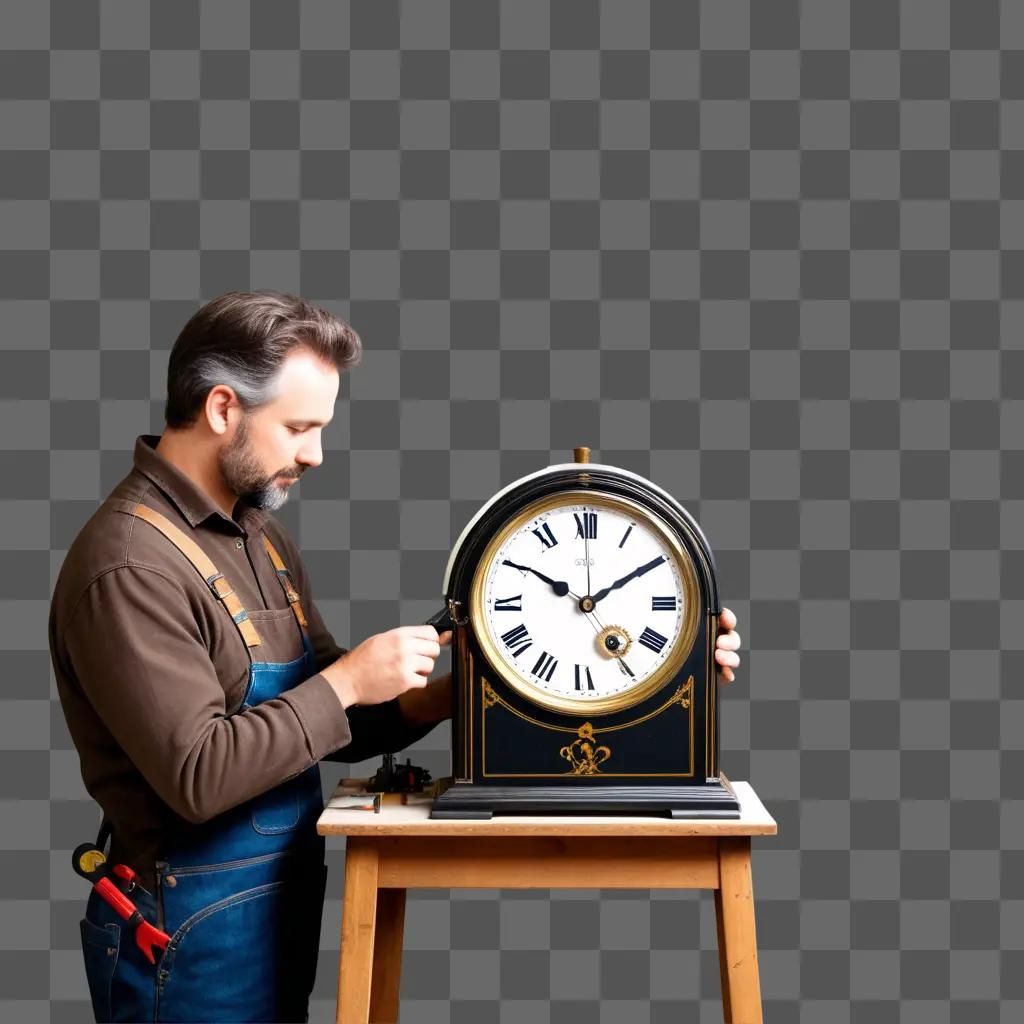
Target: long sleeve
<point x="377" y="729"/>
<point x="139" y="656"/>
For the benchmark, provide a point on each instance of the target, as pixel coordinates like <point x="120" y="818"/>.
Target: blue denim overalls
<point x="240" y="895"/>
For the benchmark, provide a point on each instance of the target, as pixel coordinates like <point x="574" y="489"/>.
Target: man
<point x="201" y="686"/>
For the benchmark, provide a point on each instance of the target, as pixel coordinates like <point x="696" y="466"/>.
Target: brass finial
<point x="581" y="454"/>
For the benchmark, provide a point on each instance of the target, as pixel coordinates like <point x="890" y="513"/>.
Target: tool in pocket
<point x="91" y="863"/>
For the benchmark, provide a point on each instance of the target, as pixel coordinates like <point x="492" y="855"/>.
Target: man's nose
<point x="311" y="454"/>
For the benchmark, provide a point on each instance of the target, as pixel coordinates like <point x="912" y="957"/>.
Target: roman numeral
<point x="546" y="537"/>
<point x="586" y="526"/>
<point x="579" y="681"/>
<point x="629" y="530"/>
<point x="517" y="640"/>
<point x="626" y="670"/>
<point x="509" y="604"/>
<point x="663" y="604"/>
<point x="545" y="667"/>
<point x="653" y="640"/>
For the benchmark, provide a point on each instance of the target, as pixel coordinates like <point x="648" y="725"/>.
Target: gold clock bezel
<point x="617" y="702"/>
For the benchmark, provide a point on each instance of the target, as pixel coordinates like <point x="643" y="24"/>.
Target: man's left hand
<point x="726" y="646"/>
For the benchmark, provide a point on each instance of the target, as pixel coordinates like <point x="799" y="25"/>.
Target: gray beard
<point x="244" y="475"/>
<point x="269" y="497"/>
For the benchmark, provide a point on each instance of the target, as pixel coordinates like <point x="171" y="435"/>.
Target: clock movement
<point x="584" y="605"/>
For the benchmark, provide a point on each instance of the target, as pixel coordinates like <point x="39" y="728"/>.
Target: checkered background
<point x="768" y="254"/>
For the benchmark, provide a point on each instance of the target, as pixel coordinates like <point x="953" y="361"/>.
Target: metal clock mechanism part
<point x="614" y="642"/>
<point x="401" y="778"/>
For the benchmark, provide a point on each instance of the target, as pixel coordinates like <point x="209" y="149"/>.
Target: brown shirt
<point x="149" y="665"/>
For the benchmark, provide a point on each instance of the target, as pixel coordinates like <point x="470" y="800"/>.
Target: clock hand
<point x="653" y="563"/>
<point x="560" y="587"/>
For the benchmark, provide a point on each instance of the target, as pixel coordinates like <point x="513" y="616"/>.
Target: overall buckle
<point x="211" y="582"/>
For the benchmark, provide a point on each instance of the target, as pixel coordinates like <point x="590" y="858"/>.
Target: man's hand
<point x="726" y="645"/>
<point x="386" y="665"/>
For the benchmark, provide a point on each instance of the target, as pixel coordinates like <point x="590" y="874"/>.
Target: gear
<point x="614" y="641"/>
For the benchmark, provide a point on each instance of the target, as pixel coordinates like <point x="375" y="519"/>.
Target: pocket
<point x="277" y="810"/>
<point x="100" y="947"/>
<point x="236" y="960"/>
<point x="297" y="801"/>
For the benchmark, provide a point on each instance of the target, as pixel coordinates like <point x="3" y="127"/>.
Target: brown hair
<point x="241" y="339"/>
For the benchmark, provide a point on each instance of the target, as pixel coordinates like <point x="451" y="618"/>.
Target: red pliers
<point x="91" y="863"/>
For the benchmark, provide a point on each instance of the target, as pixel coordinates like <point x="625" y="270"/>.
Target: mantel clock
<point x="585" y="610"/>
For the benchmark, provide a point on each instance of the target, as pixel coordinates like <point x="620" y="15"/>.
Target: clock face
<point x="585" y="602"/>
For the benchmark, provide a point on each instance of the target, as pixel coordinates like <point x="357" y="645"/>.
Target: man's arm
<point x="378" y="729"/>
<point x="392" y="725"/>
<point x="135" y="646"/>
<point x="384" y="728"/>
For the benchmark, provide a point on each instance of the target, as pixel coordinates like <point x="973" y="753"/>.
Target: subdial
<point x="613" y="641"/>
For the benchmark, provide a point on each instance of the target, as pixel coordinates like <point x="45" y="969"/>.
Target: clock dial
<point x="586" y="601"/>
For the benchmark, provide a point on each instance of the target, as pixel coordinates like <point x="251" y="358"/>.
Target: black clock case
<point x="521" y="731"/>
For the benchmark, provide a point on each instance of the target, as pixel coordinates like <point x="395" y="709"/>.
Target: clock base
<point x="466" y="800"/>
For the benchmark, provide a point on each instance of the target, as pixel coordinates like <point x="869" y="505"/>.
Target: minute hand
<point x="652" y="564"/>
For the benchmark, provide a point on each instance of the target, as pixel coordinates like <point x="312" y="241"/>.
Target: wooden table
<point x="402" y="848"/>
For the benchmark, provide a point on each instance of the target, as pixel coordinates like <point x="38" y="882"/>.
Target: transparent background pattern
<point x="769" y="254"/>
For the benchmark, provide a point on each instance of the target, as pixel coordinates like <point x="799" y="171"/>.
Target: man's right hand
<point x="386" y="664"/>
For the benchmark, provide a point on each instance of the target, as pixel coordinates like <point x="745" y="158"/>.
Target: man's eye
<point x="296" y="430"/>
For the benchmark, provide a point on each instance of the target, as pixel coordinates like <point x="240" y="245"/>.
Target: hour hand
<point x="652" y="564"/>
<point x="560" y="587"/>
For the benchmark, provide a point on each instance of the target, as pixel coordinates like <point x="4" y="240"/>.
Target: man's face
<point x="272" y="446"/>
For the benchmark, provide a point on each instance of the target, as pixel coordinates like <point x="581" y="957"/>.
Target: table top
<point x="413" y="819"/>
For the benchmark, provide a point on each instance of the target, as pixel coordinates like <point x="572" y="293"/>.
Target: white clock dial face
<point x="538" y="625"/>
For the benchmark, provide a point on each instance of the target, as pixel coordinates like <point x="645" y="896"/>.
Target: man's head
<point x="257" y="375"/>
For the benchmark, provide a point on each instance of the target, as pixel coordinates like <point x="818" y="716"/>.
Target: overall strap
<point x="287" y="584"/>
<point x="215" y="580"/>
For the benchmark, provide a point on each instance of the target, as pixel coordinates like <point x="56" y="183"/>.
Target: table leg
<point x="358" y="929"/>
<point x="726" y="1008"/>
<point x="737" y="937"/>
<point x="387" y="956"/>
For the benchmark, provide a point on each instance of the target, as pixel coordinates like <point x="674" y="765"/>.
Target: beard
<point x="246" y="477"/>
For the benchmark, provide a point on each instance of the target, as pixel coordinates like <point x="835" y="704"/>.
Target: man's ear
<point x="222" y="409"/>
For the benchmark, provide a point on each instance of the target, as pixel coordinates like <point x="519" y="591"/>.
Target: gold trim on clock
<point x="583" y="754"/>
<point x="707" y="687"/>
<point x="682" y="696"/>
<point x="680" y="650"/>
<point x="710" y="699"/>
<point x="490" y="698"/>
